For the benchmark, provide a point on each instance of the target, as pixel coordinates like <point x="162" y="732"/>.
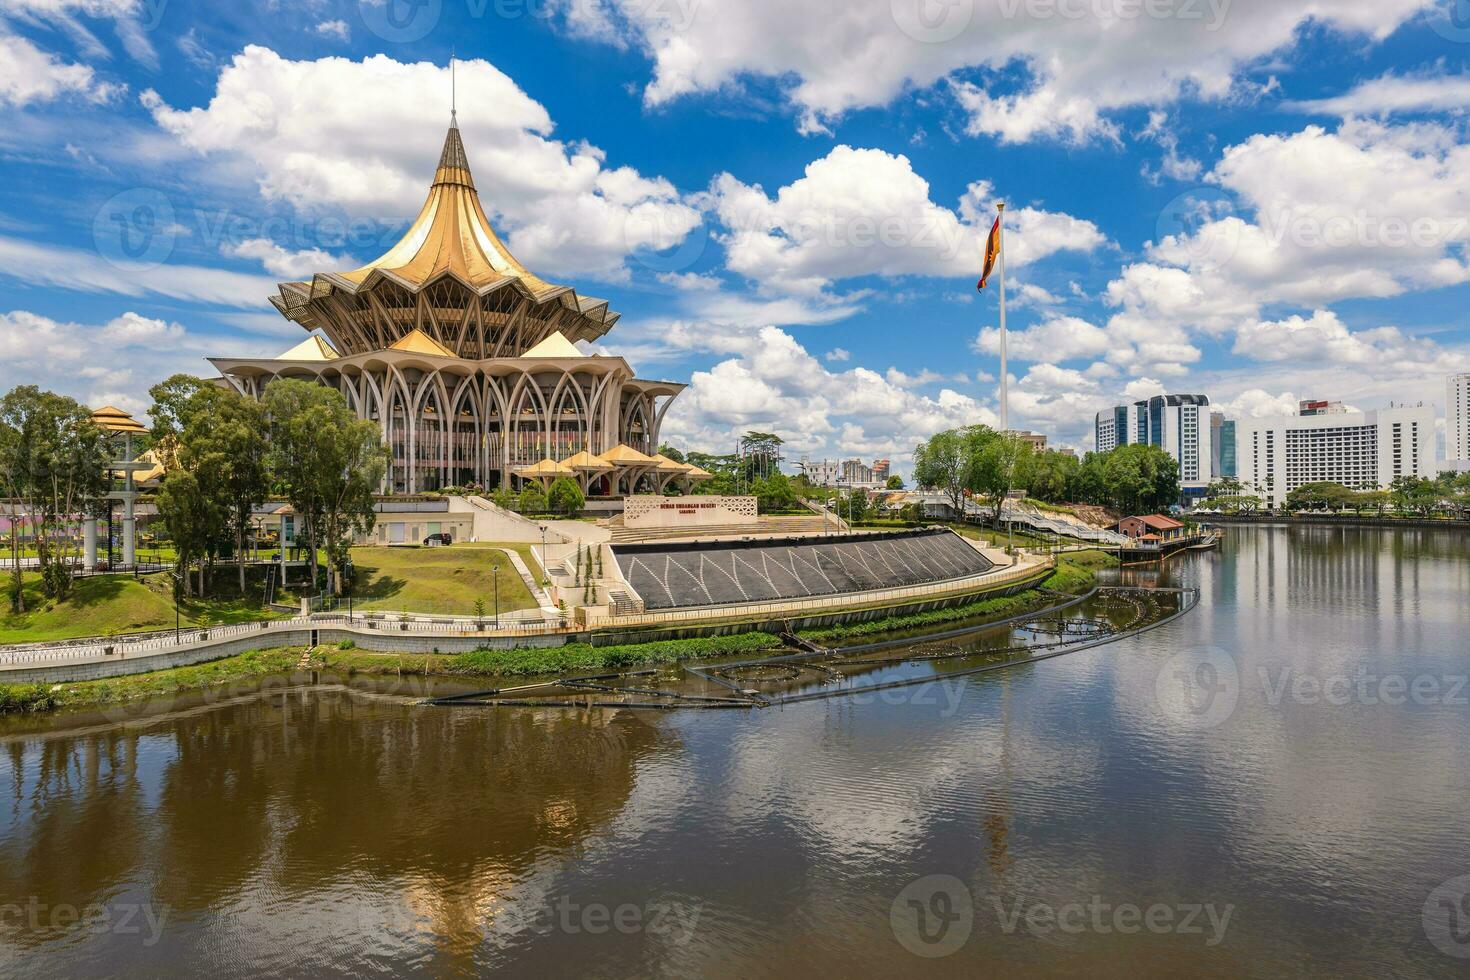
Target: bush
<point x="25" y="697"/>
<point x="566" y="497"/>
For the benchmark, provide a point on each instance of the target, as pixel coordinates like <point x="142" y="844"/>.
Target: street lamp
<point x="178" y="594"/>
<point x="495" y="578"/>
<point x="545" y="567"/>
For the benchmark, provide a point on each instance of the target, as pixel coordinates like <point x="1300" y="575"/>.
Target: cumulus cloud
<point x="1073" y="69"/>
<point x="287" y="264"/>
<point x="1061" y="339"/>
<point x="336" y="29"/>
<point x="62" y="356"/>
<point x="131" y="22"/>
<point x="299" y="126"/>
<point x="1323" y="337"/>
<point x="858" y="212"/>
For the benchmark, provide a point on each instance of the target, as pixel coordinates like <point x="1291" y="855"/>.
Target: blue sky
<point x="1260" y="200"/>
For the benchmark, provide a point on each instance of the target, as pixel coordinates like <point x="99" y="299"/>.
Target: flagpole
<point x="1005" y="408"/>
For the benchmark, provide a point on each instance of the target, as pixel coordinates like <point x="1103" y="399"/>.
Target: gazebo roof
<point x="545" y="468"/>
<point x="586" y="461"/>
<point x="116" y="420"/>
<point x="625" y="455"/>
<point x="666" y="465"/>
<point x="418" y="342"/>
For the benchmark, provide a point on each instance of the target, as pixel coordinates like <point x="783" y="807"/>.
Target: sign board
<point x="694" y="511"/>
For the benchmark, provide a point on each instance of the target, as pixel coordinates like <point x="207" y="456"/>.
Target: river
<point x="1274" y="784"/>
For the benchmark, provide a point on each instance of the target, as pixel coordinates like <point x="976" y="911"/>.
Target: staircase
<point x="778" y="526"/>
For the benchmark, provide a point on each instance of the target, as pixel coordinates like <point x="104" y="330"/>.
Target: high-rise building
<point x="1222" y="446"/>
<point x="1457" y="418"/>
<point x="1178" y="424"/>
<point x="1360" y="450"/>
<point x="881" y="469"/>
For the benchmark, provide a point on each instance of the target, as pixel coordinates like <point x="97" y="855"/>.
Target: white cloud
<point x="833" y="58"/>
<point x="1255" y="403"/>
<point x="63" y="357"/>
<point x="336" y="29"/>
<point x="1061" y="339"/>
<point x="278" y="261"/>
<point x="30" y="262"/>
<point x="1393" y="94"/>
<point x="858" y="212"/>
<point x="838" y="355"/>
<point x="131" y="21"/>
<point x="299" y="126"/>
<point x="1323" y="338"/>
<point x="29" y="75"/>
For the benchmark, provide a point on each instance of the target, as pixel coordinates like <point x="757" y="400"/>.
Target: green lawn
<point x="439" y="580"/>
<point x="106" y="604"/>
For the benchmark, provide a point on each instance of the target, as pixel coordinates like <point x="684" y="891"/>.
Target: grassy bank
<point x="104" y="605"/>
<point x="439" y="580"/>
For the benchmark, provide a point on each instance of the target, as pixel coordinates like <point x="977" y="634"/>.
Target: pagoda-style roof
<point x="116" y="420"/>
<point x="587" y="461"/>
<point x="451" y="276"/>
<point x="625" y="455"/>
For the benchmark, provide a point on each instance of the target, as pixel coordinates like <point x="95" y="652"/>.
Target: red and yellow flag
<point x="992" y="252"/>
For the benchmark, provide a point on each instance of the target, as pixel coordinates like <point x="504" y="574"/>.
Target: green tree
<point x="1052" y="476"/>
<point x="1414" y="494"/>
<point x="193" y="518"/>
<point x="669" y="452"/>
<point x="327" y="463"/>
<point x="996" y="464"/>
<point x="170" y="412"/>
<point x="895" y="482"/>
<point x="940" y="463"/>
<point x="532" y="499"/>
<point x="566" y="497"/>
<point x="55" y="468"/>
<point x="774" y="493"/>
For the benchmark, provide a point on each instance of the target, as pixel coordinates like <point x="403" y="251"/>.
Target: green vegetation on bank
<point x="108" y="605"/>
<point x="1075" y="575"/>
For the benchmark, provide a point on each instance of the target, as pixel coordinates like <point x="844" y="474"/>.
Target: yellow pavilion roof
<point x="696" y="473"/>
<point x="625" y="455"/>
<point x="586" y="461"/>
<point x="547" y="467"/>
<point x="666" y="465"/>
<point x="418" y="342"/>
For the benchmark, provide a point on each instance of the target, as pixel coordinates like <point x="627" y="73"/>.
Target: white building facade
<point x="1457" y="420"/>
<point x="1178" y="424"/>
<point x="1360" y="450"/>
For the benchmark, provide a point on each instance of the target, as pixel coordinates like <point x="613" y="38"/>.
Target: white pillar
<point x="130" y="553"/>
<point x="89" y="542"/>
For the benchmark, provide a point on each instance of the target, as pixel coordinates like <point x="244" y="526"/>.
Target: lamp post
<point x="495" y="579"/>
<point x="545" y="566"/>
<point x="178" y="593"/>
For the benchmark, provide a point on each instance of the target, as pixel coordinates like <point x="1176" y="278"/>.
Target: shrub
<point x="532" y="499"/>
<point x="566" y="497"/>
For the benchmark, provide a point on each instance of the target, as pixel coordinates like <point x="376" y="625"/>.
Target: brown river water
<point x="1276" y="783"/>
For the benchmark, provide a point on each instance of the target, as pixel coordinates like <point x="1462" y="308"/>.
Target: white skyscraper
<point x="1457" y="418"/>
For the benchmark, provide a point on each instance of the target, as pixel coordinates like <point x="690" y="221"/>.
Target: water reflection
<point x="325" y="832"/>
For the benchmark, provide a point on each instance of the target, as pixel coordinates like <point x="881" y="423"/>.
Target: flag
<point x="992" y="252"/>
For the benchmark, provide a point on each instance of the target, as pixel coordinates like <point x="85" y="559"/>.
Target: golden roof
<point x="545" y="468"/>
<point x="116" y="420"/>
<point x="418" y="342"/>
<point x="452" y="235"/>
<point x="666" y="465"/>
<point x="625" y="455"/>
<point x="695" y="473"/>
<point x="556" y="345"/>
<point x="586" y="461"/>
<point x="313" y="348"/>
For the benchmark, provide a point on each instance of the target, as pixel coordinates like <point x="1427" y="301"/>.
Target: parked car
<point x="434" y="540"/>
